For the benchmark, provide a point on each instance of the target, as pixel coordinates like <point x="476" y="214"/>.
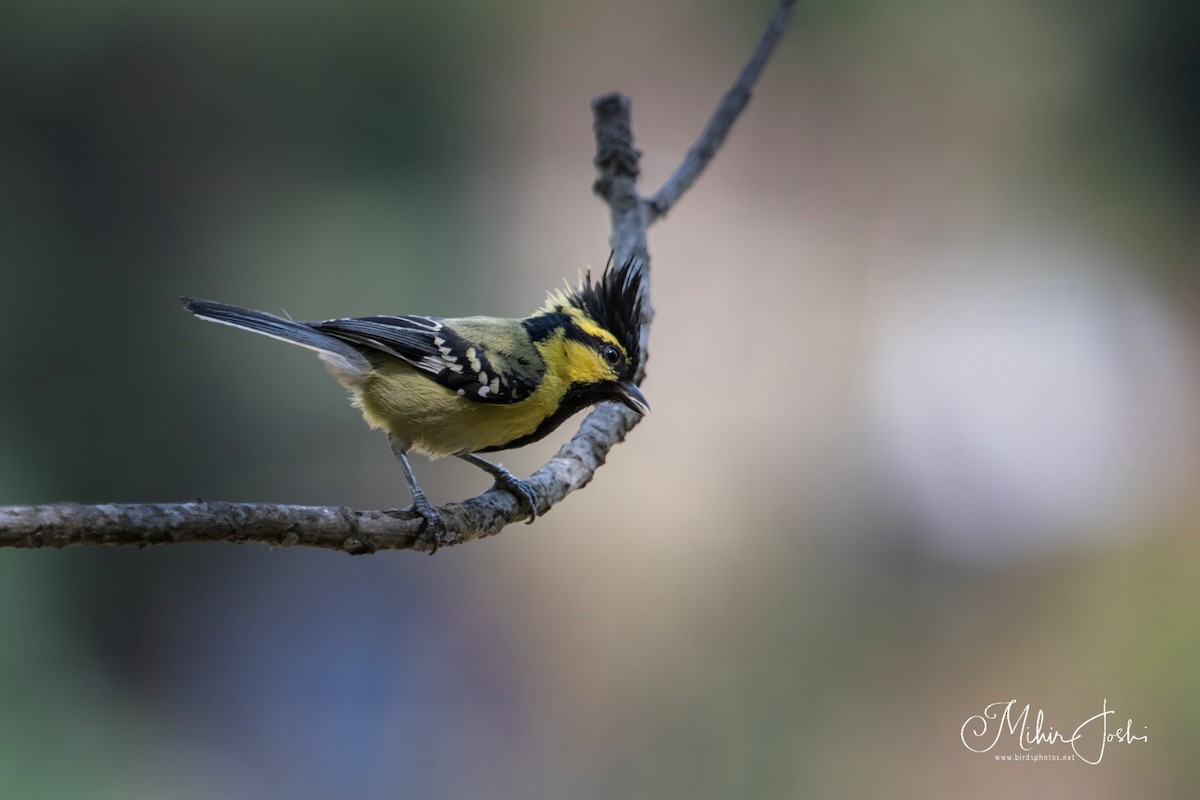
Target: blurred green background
<point x="924" y="376"/>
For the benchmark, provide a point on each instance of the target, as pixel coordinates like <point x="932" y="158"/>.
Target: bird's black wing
<point x="486" y="374"/>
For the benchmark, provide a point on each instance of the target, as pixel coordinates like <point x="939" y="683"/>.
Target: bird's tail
<point x="339" y="356"/>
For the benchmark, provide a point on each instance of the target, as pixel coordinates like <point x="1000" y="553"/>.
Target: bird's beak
<point x="632" y="396"/>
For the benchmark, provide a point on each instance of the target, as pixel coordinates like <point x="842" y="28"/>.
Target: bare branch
<point x="333" y="528"/>
<point x="617" y="164"/>
<point x="722" y="120"/>
<point x="357" y="532"/>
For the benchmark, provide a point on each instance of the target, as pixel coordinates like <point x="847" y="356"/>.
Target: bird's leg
<point x="506" y="480"/>
<point x="433" y="527"/>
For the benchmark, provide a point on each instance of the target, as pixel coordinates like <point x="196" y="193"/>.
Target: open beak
<point x="632" y="396"/>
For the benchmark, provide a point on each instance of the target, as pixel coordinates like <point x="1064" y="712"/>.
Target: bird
<point x="468" y="385"/>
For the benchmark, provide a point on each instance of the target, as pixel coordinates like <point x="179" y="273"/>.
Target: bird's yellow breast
<point x="437" y="422"/>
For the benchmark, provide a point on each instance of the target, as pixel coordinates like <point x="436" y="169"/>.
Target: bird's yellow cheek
<point x="580" y="364"/>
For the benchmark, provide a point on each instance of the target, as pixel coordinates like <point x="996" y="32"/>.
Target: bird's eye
<point x="611" y="355"/>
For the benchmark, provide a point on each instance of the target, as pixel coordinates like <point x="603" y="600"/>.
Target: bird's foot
<point x="522" y="489"/>
<point x="526" y="497"/>
<point x="432" y="528"/>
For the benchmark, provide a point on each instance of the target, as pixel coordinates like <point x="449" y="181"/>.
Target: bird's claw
<point x="432" y="527"/>
<point x="524" y="492"/>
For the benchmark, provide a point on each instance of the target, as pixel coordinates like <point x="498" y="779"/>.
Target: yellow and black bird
<point x="468" y="385"/>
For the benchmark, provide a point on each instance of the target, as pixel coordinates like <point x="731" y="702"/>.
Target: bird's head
<point x="600" y="324"/>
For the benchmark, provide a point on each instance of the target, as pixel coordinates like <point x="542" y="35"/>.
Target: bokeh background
<point x="924" y="373"/>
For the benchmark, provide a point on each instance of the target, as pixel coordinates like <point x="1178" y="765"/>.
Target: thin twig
<point x="347" y="530"/>
<point x="722" y="120"/>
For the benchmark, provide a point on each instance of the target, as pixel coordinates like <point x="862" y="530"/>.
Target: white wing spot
<point x="471" y="354"/>
<point x="438" y="342"/>
<point x="483" y="378"/>
<point x="456" y="367"/>
<point x="462" y="391"/>
<point x="495" y="385"/>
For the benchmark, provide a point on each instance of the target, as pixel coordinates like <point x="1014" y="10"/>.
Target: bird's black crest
<point x="615" y="302"/>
